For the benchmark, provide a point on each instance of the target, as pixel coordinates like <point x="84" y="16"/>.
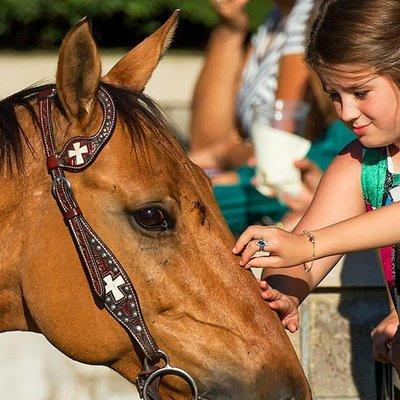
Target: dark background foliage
<point x="116" y="23"/>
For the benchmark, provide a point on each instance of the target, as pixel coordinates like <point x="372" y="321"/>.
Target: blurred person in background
<point x="236" y="77"/>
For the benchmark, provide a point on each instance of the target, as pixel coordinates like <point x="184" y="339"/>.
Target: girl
<point x="354" y="47"/>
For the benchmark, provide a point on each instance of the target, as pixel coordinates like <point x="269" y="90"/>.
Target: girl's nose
<point x="349" y="111"/>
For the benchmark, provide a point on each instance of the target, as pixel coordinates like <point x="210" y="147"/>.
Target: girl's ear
<point x="78" y="74"/>
<point x="135" y="68"/>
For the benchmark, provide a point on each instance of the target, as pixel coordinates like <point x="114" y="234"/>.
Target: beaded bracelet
<point x="311" y="238"/>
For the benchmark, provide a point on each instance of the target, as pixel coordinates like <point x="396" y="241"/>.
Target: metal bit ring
<point x="169" y="370"/>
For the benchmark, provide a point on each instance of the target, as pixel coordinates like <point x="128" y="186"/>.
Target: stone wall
<point x="333" y="343"/>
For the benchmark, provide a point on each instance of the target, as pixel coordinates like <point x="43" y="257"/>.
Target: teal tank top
<point x="380" y="187"/>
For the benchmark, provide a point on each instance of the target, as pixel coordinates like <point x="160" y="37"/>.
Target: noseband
<point x="108" y="279"/>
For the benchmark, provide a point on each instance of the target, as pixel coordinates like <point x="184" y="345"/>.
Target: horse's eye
<point x="152" y="218"/>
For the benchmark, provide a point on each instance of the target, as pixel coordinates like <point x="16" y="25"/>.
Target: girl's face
<point x="367" y="103"/>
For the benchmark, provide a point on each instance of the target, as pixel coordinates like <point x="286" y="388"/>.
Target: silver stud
<point x="119" y="313"/>
<point x="132" y="305"/>
<point x="104" y="255"/>
<point x="130" y="297"/>
<point x="105" y="130"/>
<point x="92" y="241"/>
<point x="126" y="319"/>
<point x="113" y="307"/>
<point x="109" y="262"/>
<point x="101" y="136"/>
<point x="135" y="314"/>
<point x="115" y="270"/>
<point x="138" y="328"/>
<point x="108" y="299"/>
<point x="126" y="288"/>
<point x="98" y="247"/>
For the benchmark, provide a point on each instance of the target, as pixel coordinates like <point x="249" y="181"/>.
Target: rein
<point x="108" y="279"/>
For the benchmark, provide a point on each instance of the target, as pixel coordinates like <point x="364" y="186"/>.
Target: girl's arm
<point x="338" y="197"/>
<point x="375" y="229"/>
<point x="378" y="228"/>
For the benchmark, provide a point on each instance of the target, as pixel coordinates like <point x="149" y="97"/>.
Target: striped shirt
<point x="277" y="37"/>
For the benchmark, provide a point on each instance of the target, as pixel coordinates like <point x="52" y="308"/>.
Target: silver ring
<point x="168" y="369"/>
<point x="262" y="244"/>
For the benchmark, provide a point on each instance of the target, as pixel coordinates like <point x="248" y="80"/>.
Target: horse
<point x="155" y="210"/>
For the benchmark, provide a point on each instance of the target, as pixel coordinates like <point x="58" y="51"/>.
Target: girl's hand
<point x="285" y="307"/>
<point x="283" y="249"/>
<point x="382" y="335"/>
<point x="232" y="13"/>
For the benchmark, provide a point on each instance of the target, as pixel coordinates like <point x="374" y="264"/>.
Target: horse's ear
<point x="135" y="68"/>
<point x="78" y="73"/>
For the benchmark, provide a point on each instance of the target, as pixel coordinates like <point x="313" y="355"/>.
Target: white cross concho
<point x="77" y="153"/>
<point x="112" y="286"/>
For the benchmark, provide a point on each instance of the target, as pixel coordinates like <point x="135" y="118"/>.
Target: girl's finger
<point x="249" y="251"/>
<point x="256" y="247"/>
<point x="264" y="285"/>
<point x="291" y="326"/>
<point x="252" y="232"/>
<point x="264" y="262"/>
<point x="280" y="306"/>
<point x="271" y="295"/>
<point x="291" y="322"/>
<point x="276" y="306"/>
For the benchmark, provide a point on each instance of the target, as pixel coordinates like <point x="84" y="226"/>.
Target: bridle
<point x="108" y="279"/>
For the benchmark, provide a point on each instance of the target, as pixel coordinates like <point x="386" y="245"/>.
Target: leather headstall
<point x="108" y="278"/>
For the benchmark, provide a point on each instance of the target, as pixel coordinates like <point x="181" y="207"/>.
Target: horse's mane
<point x="138" y="111"/>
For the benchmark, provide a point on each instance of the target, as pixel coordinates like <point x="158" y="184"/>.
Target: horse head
<point x="155" y="209"/>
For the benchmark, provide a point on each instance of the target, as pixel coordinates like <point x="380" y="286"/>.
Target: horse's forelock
<point x="12" y="134"/>
<point x="136" y="110"/>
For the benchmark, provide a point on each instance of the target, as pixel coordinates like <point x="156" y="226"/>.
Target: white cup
<point x="277" y="134"/>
